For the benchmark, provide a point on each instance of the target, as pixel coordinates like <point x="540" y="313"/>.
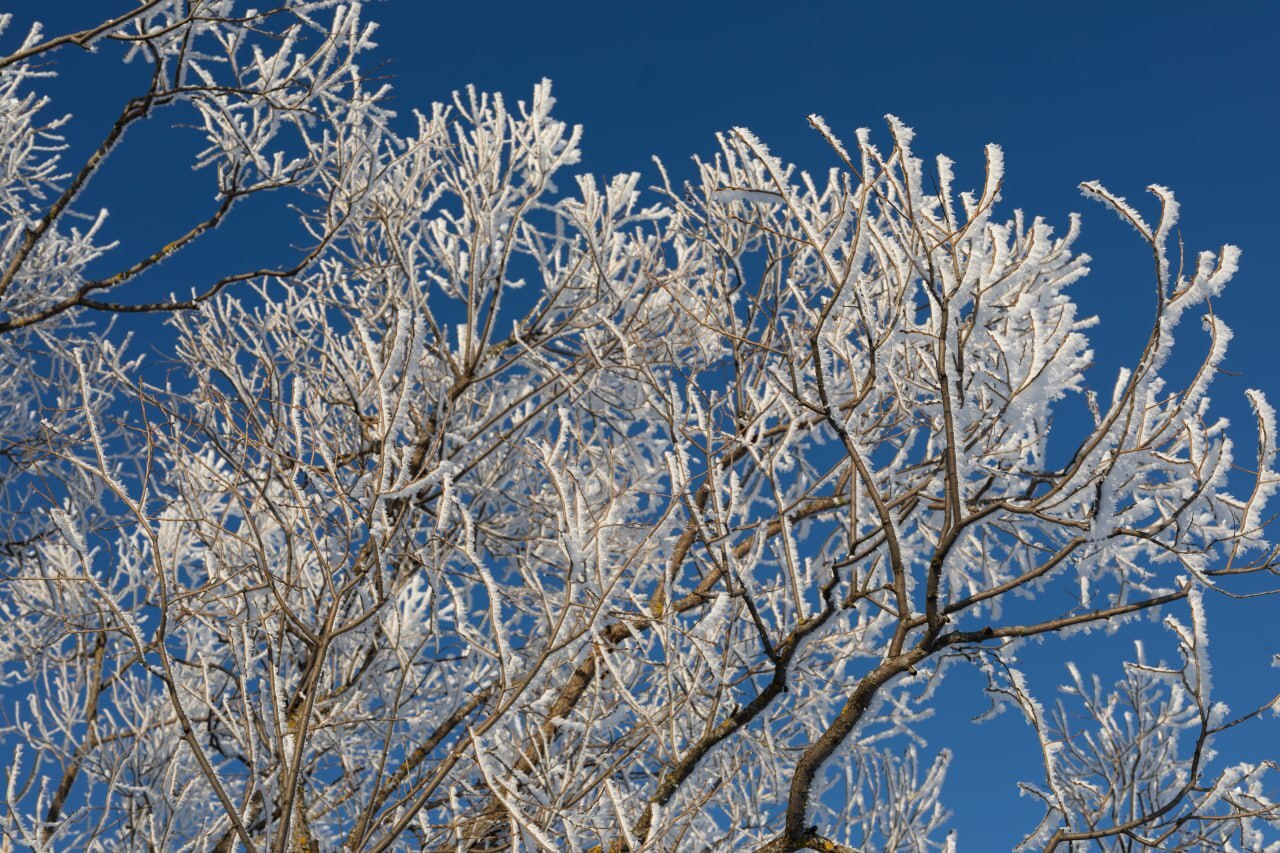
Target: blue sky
<point x="1129" y="93"/>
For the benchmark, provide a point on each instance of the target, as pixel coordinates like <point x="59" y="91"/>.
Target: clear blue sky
<point x="1130" y="93"/>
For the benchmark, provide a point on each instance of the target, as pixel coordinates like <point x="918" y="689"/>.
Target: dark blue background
<point x="1130" y="93"/>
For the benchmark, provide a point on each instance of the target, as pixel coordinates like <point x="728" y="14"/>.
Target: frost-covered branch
<point x="528" y="509"/>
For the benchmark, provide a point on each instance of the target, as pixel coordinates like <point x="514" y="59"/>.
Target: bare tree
<point x="517" y="518"/>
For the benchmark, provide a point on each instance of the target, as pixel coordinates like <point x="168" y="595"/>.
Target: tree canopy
<point x="516" y="514"/>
